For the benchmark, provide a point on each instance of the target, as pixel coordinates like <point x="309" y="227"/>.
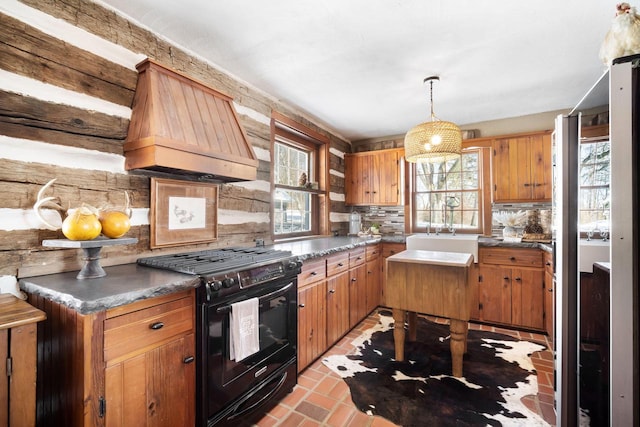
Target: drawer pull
<point x="313" y="273"/>
<point x="512" y="258"/>
<point x="340" y="264"/>
<point x="548" y="263"/>
<point x="506" y="277"/>
<point x="359" y="258"/>
<point x="332" y="291"/>
<point x="156" y="326"/>
<point x="353" y="279"/>
<point x="518" y="279"/>
<point x="188" y="359"/>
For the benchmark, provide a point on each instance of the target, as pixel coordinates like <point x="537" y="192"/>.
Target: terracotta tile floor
<point x="321" y="398"/>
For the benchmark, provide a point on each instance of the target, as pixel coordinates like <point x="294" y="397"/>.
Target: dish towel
<point x="245" y="335"/>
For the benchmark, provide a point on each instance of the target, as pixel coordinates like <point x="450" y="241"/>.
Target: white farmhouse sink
<point x="465" y="243"/>
<point x="591" y="251"/>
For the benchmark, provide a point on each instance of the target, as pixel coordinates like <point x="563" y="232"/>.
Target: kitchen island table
<point x="430" y="282"/>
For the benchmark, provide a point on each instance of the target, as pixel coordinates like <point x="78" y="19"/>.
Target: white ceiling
<point x="357" y="66"/>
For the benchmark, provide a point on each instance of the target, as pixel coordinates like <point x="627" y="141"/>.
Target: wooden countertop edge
<point x="14" y="312"/>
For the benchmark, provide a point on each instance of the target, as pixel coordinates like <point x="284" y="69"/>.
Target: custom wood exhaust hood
<point x="180" y="126"/>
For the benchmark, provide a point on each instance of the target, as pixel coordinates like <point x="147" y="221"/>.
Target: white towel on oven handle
<point x="244" y="323"/>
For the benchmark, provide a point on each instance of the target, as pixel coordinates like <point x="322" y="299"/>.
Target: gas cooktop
<point x="215" y="261"/>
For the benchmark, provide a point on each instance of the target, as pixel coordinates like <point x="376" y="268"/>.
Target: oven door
<point x="228" y="381"/>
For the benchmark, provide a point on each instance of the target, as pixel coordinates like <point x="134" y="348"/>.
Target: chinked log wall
<point x="27" y="51"/>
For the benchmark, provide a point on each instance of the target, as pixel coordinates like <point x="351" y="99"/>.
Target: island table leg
<point x="398" y="333"/>
<point x="458" y="329"/>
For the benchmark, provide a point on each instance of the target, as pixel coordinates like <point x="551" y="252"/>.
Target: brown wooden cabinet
<point x="388" y="249"/>
<point x="357" y="286"/>
<point x="374" y="285"/>
<point x="337" y="297"/>
<point x="312" y="320"/>
<point x="129" y="365"/>
<point x="335" y="293"/>
<point x="549" y="294"/>
<point x="18" y="333"/>
<point x="373" y="177"/>
<point x="511" y="287"/>
<point x="149" y="354"/>
<point x="522" y="170"/>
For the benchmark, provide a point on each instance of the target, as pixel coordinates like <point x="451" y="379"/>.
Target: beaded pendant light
<point x="432" y="141"/>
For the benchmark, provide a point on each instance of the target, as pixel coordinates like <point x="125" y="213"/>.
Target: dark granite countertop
<point x="122" y="285"/>
<point x="128" y="283"/>
<point x="315" y="248"/>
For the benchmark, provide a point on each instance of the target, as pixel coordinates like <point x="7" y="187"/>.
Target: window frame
<point x="606" y="212"/>
<point x="291" y="133"/>
<point x="484" y="205"/>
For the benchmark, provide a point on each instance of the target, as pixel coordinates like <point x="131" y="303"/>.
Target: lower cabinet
<point x="335" y="293"/>
<point x="130" y="365"/>
<point x="511" y="287"/>
<point x="150" y="369"/>
<point x="312" y="305"/>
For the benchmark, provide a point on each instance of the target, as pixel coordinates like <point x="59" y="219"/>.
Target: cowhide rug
<point x="421" y="391"/>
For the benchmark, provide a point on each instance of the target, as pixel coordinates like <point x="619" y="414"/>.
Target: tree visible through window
<point x="595" y="175"/>
<point x="448" y="195"/>
<point x="292" y="210"/>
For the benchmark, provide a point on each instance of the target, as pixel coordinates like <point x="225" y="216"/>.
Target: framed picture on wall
<point x="183" y="212"/>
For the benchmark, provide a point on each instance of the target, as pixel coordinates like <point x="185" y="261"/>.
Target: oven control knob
<point x="292" y="265"/>
<point x="228" y="282"/>
<point x="215" y="285"/>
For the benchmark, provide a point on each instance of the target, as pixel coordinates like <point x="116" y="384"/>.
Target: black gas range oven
<point x="229" y="390"/>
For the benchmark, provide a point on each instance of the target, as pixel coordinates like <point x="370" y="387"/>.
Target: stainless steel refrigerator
<point x="622" y="85"/>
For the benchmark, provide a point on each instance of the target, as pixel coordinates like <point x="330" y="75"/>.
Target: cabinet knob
<point x="313" y="273"/>
<point x="301" y="305"/>
<point x="512" y="258"/>
<point x="156" y="326"/>
<point x="332" y="291"/>
<point x="353" y="279"/>
<point x="518" y="279"/>
<point x="188" y="359"/>
<point x="547" y="263"/>
<point x="340" y="264"/>
<point x="506" y="277"/>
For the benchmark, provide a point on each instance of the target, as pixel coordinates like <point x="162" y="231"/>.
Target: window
<point x="450" y="195"/>
<point x="595" y="173"/>
<point x="299" y="180"/>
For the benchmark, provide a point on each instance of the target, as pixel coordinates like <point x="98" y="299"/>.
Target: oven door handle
<point x="227" y="308"/>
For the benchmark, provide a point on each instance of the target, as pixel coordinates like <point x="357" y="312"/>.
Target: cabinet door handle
<point x="301" y="305"/>
<point x="353" y="279"/>
<point x="527" y="184"/>
<point x="332" y="291"/>
<point x="156" y="326"/>
<point x="512" y="258"/>
<point x="506" y="277"/>
<point x="188" y="359"/>
<point x="547" y="263"/>
<point x="518" y="279"/>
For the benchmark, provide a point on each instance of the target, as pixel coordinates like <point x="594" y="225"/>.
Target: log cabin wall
<point x="67" y="80"/>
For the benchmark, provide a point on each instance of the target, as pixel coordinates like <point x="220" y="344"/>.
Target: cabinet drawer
<point x="337" y="263"/>
<point x="312" y="271"/>
<point x="356" y="257"/>
<point x="372" y="252"/>
<point x="140" y="330"/>
<point x="389" y="249"/>
<point x="512" y="257"/>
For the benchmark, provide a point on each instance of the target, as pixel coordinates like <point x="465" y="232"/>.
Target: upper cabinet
<point x="522" y="169"/>
<point x="373" y="177"/>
